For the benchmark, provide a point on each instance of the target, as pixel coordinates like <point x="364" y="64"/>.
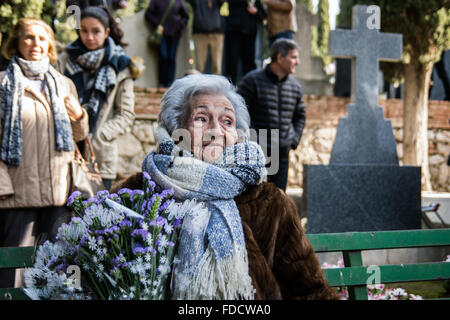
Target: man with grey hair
<point x="274" y="101"/>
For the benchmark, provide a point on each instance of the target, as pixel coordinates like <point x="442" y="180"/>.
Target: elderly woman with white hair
<point x="244" y="239"/>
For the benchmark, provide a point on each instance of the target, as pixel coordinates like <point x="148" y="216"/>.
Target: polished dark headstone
<point x="344" y="198"/>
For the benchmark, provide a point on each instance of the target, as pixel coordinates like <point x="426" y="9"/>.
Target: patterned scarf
<point x="11" y="97"/>
<point x="104" y="63"/>
<point x="211" y="260"/>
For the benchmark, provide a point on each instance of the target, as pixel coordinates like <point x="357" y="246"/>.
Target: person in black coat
<point x="274" y="100"/>
<point x="240" y="36"/>
<point x="173" y="26"/>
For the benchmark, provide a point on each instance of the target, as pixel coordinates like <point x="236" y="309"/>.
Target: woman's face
<point x="92" y="33"/>
<point x="212" y="126"/>
<point x="34" y="43"/>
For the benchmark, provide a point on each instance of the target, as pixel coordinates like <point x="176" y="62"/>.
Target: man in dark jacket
<point x="274" y="101"/>
<point x="208" y="33"/>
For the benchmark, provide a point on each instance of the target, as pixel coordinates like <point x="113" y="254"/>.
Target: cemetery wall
<point x="322" y="117"/>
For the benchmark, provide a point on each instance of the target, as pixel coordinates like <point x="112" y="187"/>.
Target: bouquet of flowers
<point x="118" y="246"/>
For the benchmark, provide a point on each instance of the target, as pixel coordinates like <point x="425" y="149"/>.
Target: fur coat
<point x="282" y="262"/>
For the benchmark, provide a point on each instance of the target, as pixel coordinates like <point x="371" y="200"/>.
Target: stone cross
<point x="365" y="137"/>
<point x="363" y="188"/>
<point x="366" y="46"/>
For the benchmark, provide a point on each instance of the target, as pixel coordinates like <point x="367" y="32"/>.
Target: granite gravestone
<point x="363" y="188"/>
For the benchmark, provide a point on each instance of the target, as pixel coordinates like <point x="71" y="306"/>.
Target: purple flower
<point x="102" y="193"/>
<point x="167" y="193"/>
<point x="52" y="261"/>
<point x="151" y="201"/>
<point x="165" y="205"/>
<point x="124" y="190"/>
<point x="115" y="197"/>
<point x="143" y="206"/>
<point x="138" y="248"/>
<point x="72" y="198"/>
<point x="83" y="240"/>
<point x="91" y="200"/>
<point x="61" y="267"/>
<point x="176" y="223"/>
<point x="111" y="272"/>
<point x="135" y="192"/>
<point x="112" y="229"/>
<point x="146" y="176"/>
<point x="140" y="233"/>
<point x="117" y="263"/>
<point x="125" y="223"/>
<point x="161" y="221"/>
<point x="76" y="220"/>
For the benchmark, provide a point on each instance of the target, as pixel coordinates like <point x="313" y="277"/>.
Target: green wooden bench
<point x="15" y="257"/>
<point x="354" y="275"/>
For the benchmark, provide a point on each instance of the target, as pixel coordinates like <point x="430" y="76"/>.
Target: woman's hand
<point x="73" y="107"/>
<point x="252" y="10"/>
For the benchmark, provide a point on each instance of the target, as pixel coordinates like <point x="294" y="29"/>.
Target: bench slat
<point x="353" y="276"/>
<point x="327" y="242"/>
<point x="16" y="257"/>
<point x="13" y="294"/>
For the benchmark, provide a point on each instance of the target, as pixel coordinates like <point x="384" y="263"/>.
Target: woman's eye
<point x="228" y="122"/>
<point x="202" y="119"/>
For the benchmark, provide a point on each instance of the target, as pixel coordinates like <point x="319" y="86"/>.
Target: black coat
<point x="207" y="20"/>
<point x="239" y="20"/>
<point x="274" y="104"/>
<point x="176" y="20"/>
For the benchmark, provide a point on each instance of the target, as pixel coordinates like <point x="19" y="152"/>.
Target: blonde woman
<point x="40" y="119"/>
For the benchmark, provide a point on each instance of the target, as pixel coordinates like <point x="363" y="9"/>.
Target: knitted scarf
<point x="11" y="104"/>
<point x="102" y="64"/>
<point x="211" y="261"/>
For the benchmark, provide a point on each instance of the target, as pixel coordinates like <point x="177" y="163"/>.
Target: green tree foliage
<point x="12" y="10"/>
<point x="319" y="34"/>
<point x="141" y="5"/>
<point x="323" y="30"/>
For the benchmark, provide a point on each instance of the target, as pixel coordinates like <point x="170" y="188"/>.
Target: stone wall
<point x="322" y="115"/>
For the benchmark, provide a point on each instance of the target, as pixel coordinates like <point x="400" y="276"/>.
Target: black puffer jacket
<point x="274" y="104"/>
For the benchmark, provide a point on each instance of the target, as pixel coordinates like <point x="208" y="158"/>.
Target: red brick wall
<point x="322" y="109"/>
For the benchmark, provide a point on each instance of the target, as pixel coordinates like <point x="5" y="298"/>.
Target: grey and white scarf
<point x="11" y="104"/>
<point x="104" y="64"/>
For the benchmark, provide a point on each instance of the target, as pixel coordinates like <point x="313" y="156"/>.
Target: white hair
<point x="175" y="101"/>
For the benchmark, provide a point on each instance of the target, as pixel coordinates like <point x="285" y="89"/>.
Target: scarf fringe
<point x="224" y="279"/>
